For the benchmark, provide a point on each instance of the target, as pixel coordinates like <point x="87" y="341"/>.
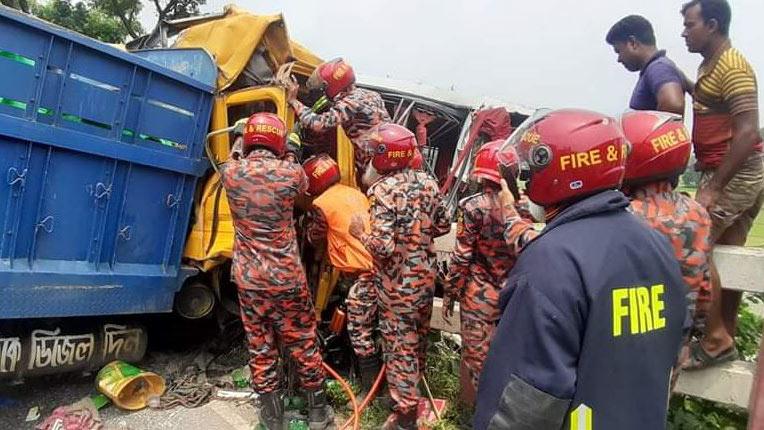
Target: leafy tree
<point x="125" y="11"/>
<point x="22" y="5"/>
<point x="111" y="21"/>
<point x="83" y="18"/>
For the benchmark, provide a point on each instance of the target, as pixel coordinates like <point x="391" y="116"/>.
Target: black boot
<point x="272" y="410"/>
<point x="320" y="414"/>
<point x="368" y="369"/>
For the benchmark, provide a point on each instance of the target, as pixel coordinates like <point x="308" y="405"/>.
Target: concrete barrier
<point x="741" y="269"/>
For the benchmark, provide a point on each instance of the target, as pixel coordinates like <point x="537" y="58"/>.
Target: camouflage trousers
<point x="362" y="314"/>
<point x="404" y="342"/>
<point x="479" y="310"/>
<point x="280" y="316"/>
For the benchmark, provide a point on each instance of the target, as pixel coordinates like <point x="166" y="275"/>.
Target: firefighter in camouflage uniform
<point x="659" y="154"/>
<point x="481" y="260"/>
<point x="407" y="213"/>
<point x="276" y="307"/>
<point x="356" y="109"/>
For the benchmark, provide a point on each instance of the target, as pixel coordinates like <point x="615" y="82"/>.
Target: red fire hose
<point x="356" y="413"/>
<point x="368" y="399"/>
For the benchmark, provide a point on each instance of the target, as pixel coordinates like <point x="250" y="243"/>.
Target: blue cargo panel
<point x="100" y="151"/>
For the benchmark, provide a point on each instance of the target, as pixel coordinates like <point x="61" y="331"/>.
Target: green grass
<point x="755" y="236"/>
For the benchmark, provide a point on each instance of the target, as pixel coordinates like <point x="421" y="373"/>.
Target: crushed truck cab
<point x="110" y="206"/>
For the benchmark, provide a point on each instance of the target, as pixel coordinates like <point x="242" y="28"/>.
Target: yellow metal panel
<point x="210" y="248"/>
<point x="200" y="246"/>
<point x="208" y="214"/>
<point x="233" y="39"/>
<point x="345" y="159"/>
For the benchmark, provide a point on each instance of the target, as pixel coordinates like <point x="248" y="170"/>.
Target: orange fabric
<point x="339" y="203"/>
<point x="711" y="134"/>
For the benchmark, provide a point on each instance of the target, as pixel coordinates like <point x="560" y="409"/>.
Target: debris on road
<point x="82" y="415"/>
<point x="33" y="414"/>
<point x="128" y="386"/>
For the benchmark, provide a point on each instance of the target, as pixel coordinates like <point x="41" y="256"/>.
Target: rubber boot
<point x="368" y="369"/>
<point x="320" y="414"/>
<point x="272" y="410"/>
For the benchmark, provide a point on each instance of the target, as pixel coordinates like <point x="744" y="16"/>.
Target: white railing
<point x="741" y="269"/>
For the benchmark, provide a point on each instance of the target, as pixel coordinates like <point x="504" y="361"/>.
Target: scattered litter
<point x="82" y="415"/>
<point x="154" y="402"/>
<point x="241" y="377"/>
<point x="128" y="386"/>
<point x="100" y="401"/>
<point x="235" y="394"/>
<point x="33" y="414"/>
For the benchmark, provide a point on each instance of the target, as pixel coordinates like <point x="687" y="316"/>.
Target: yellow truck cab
<point x="248" y="51"/>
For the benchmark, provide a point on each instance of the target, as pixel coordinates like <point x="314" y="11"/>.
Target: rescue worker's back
<point x="592" y="315"/>
<point x="593" y="312"/>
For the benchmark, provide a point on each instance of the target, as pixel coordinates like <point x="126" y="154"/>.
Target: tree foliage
<point x="83" y="18"/>
<point x="22" y="5"/>
<point x="111" y="21"/>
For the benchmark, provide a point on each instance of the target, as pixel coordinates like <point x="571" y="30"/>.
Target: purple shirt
<point x="658" y="72"/>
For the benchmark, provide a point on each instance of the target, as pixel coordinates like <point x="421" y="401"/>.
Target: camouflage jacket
<point x="687" y="226"/>
<point x="357" y="112"/>
<point x="261" y="190"/>
<point x="407" y="213"/>
<point x="481" y="253"/>
<point x="518" y="226"/>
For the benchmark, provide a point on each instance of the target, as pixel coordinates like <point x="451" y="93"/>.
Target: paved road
<point x="48" y="393"/>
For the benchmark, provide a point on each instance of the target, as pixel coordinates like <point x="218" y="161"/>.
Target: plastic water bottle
<point x="240" y="377"/>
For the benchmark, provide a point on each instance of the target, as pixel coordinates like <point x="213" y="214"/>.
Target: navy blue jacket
<point x="592" y="319"/>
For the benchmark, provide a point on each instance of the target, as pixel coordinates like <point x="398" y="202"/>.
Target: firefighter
<point x="480" y="262"/>
<point x="333" y="206"/>
<point x="262" y="184"/>
<point x="407" y="213"/>
<point x="660" y="151"/>
<point x="594" y="309"/>
<point x="356" y="109"/>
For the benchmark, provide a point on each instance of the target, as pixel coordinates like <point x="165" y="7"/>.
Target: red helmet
<point x="487" y="161"/>
<point x="333" y="77"/>
<point x="322" y="171"/>
<point x="660" y="146"/>
<point x="393" y="147"/>
<point x="417" y="161"/>
<point x="264" y="130"/>
<point x="568" y="154"/>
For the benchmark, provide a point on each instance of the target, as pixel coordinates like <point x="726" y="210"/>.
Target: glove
<point x="238" y="127"/>
<point x="294" y="145"/>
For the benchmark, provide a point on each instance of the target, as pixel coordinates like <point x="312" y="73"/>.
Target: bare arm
<point x="671" y="98"/>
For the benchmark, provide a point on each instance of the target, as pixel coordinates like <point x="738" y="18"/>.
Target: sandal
<point x="700" y="359"/>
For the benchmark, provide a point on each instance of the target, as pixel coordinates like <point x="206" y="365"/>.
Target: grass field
<point x="756" y="236"/>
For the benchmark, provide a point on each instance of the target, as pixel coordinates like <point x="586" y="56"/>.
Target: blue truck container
<point x="100" y="152"/>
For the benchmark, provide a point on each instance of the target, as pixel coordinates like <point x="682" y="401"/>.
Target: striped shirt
<point x="726" y="84"/>
<point x="726" y="87"/>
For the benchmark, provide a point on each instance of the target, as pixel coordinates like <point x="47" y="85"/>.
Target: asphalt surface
<point x="174" y="349"/>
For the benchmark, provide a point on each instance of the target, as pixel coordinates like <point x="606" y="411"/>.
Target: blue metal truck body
<point x="100" y="152"/>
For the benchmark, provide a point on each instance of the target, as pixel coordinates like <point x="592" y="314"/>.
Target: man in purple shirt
<point x="661" y="84"/>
